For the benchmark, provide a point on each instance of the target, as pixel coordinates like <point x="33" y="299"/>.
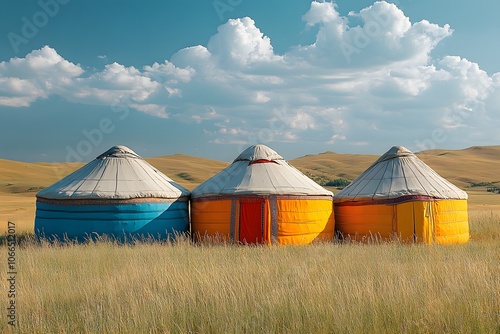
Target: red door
<point x="252" y="220"/>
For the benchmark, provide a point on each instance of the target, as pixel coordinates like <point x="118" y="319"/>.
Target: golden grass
<point x="19" y="208"/>
<point x="323" y="288"/>
<point x="481" y="200"/>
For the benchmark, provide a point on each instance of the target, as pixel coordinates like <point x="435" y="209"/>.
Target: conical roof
<point x="399" y="173"/>
<point x="259" y="170"/>
<point x="118" y="173"/>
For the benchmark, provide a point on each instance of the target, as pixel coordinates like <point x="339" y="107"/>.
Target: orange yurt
<point x="261" y="199"/>
<point x="399" y="196"/>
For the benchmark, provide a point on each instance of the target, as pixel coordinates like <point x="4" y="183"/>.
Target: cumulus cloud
<point x="240" y="43"/>
<point x="151" y="109"/>
<point x="323" y="12"/>
<point x="472" y="82"/>
<point x="300" y="120"/>
<point x="113" y="84"/>
<point x="385" y="37"/>
<point x="41" y="73"/>
<point x="355" y="84"/>
<point x="169" y="73"/>
<point x="211" y="114"/>
<point x="261" y="97"/>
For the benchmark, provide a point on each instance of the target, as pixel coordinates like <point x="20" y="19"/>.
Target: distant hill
<point x="470" y="166"/>
<point x="464" y="168"/>
<point x="467" y="167"/>
<point x="186" y="170"/>
<point x="329" y="166"/>
<point x="23" y="177"/>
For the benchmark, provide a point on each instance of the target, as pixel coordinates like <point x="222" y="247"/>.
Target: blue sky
<point x="209" y="78"/>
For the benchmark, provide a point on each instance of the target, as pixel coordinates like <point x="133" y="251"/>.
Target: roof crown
<point x="395" y="152"/>
<point x="119" y="151"/>
<point x="258" y="152"/>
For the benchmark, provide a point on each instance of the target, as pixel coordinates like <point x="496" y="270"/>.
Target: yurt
<point x="261" y="199"/>
<point x="399" y="196"/>
<point x="119" y="195"/>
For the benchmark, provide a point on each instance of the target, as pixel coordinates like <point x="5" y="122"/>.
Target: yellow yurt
<point x="261" y="199"/>
<point x="399" y="196"/>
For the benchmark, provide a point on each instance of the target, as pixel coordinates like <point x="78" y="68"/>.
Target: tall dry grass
<point x="179" y="287"/>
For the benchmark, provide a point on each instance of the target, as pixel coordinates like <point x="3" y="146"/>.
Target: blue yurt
<point x="118" y="194"/>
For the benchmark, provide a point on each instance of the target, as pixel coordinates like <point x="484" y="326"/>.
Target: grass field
<point x="323" y="288"/>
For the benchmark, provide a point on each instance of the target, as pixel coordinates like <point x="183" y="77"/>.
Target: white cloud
<point x="230" y="131"/>
<point x="209" y="115"/>
<point x="151" y="109"/>
<point x="41" y="73"/>
<point x="286" y="136"/>
<point x="335" y="138"/>
<point x="359" y="143"/>
<point x="196" y="56"/>
<point x="300" y="120"/>
<point x="355" y="84"/>
<point x="40" y="63"/>
<point x="472" y="82"/>
<point x="323" y="12"/>
<point x="169" y="73"/>
<point x="229" y="142"/>
<point x="261" y="97"/>
<point x="117" y="80"/>
<point x="18" y="92"/>
<point x="240" y="43"/>
<point x="386" y="37"/>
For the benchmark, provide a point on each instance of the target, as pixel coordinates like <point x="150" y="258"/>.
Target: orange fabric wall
<point x="364" y="221"/>
<point x="440" y="221"/>
<point x="211" y="218"/>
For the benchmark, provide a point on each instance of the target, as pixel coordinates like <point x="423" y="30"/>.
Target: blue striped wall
<point x="156" y="220"/>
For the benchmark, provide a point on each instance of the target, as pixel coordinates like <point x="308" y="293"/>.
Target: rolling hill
<point x="464" y="168"/>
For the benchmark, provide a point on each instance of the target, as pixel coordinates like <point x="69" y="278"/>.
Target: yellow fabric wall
<point x="211" y="218"/>
<point x="441" y="222"/>
<point x="414" y="222"/>
<point x="451" y="222"/>
<point x="403" y="221"/>
<point x="302" y="221"/>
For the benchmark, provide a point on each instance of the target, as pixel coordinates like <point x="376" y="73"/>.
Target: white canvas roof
<point x="118" y="173"/>
<point x="398" y="173"/>
<point x="259" y="170"/>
